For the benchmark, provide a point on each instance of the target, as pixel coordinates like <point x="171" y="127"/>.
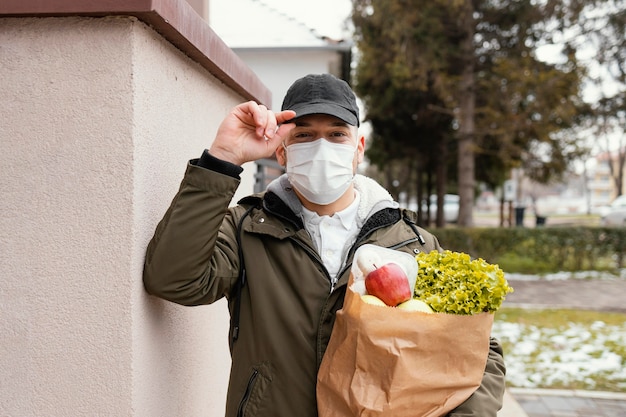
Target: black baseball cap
<point x="325" y="94"/>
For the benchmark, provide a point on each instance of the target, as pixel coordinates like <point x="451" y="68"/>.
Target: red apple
<point x="389" y="283"/>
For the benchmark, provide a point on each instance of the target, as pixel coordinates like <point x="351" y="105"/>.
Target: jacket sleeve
<point x="486" y="401"/>
<point x="192" y="257"/>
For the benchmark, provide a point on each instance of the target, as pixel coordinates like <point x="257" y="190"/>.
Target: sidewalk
<point x="522" y="402"/>
<point x="511" y="407"/>
<point x="586" y="294"/>
<point x="563" y="403"/>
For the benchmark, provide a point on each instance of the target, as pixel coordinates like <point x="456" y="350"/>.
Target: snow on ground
<point x="572" y="356"/>
<point x="566" y="275"/>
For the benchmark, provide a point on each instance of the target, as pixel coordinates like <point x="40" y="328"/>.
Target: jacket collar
<point x="373" y="196"/>
<point x="376" y="208"/>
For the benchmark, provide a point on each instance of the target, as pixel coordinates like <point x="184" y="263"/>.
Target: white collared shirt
<point x="333" y="235"/>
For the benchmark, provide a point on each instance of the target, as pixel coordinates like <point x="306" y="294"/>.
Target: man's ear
<point x="281" y="157"/>
<point x="361" y="149"/>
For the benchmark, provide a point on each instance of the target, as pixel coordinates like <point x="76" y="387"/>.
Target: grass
<point x="563" y="349"/>
<point x="516" y="263"/>
<point x="519" y="263"/>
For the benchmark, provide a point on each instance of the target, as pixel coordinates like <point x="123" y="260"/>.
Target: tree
<point x="606" y="35"/>
<point x="476" y="60"/>
<point x="610" y="122"/>
<point x="402" y="104"/>
<point x="399" y="83"/>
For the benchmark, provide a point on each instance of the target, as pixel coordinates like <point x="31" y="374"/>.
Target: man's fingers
<point x="283" y="130"/>
<point x="273" y="121"/>
<point x="252" y="115"/>
<point x="265" y="122"/>
<point x="283" y="116"/>
<point x="276" y="121"/>
<point x="261" y="118"/>
<point x="270" y="126"/>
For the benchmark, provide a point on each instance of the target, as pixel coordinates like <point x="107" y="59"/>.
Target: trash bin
<point x="541" y="221"/>
<point x="519" y="216"/>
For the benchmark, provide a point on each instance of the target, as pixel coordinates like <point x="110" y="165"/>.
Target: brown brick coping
<point x="175" y="20"/>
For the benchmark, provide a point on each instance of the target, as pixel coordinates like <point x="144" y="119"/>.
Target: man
<point x="295" y="242"/>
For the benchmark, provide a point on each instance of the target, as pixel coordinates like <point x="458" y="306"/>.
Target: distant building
<point x="601" y="185"/>
<point x="279" y="48"/>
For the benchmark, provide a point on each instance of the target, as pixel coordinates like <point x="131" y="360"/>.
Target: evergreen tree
<point x="474" y="64"/>
<point x="605" y="33"/>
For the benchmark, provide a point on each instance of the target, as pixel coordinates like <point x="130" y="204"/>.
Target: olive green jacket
<point x="287" y="305"/>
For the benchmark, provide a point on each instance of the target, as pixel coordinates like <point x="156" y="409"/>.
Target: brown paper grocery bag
<point x="382" y="361"/>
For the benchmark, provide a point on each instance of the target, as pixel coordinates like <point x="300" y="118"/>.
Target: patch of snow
<point x="557" y="276"/>
<point x="544" y="357"/>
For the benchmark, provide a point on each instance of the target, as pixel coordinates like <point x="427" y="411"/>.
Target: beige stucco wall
<point x="98" y="119"/>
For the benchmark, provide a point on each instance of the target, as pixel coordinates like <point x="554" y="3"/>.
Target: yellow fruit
<point x="415" y="305"/>
<point x="371" y="299"/>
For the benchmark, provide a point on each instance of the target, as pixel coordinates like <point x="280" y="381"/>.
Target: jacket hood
<point x="374" y="197"/>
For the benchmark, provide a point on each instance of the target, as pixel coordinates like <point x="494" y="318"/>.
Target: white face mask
<point x="320" y="170"/>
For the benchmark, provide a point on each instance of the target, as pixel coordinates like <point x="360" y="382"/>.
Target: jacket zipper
<point x="246" y="395"/>
<point x="315" y="257"/>
<point x="406" y="242"/>
<point x="369" y="233"/>
<point x="333" y="281"/>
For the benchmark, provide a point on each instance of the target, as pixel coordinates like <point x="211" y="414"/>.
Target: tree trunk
<point x="419" y="191"/>
<point x="467" y="103"/>
<point x="441" y="180"/>
<point x="621" y="159"/>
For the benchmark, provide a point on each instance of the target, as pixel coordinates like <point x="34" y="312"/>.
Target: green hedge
<point x="541" y="249"/>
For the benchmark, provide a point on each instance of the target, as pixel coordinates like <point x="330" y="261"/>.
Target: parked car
<point x="615" y="214"/>
<point x="450" y="207"/>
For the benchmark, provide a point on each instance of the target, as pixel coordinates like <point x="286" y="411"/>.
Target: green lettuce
<point x="452" y="282"/>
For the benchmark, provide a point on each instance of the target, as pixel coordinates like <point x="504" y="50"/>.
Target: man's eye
<point x="300" y="137"/>
<point x="339" y="137"/>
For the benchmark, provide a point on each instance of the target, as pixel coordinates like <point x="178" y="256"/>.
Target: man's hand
<point x="250" y="132"/>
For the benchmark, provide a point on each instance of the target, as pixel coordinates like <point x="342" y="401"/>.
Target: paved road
<point x="592" y="294"/>
<point x="584" y="294"/>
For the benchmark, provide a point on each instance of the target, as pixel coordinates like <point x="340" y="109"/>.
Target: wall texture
<point x="98" y="119"/>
